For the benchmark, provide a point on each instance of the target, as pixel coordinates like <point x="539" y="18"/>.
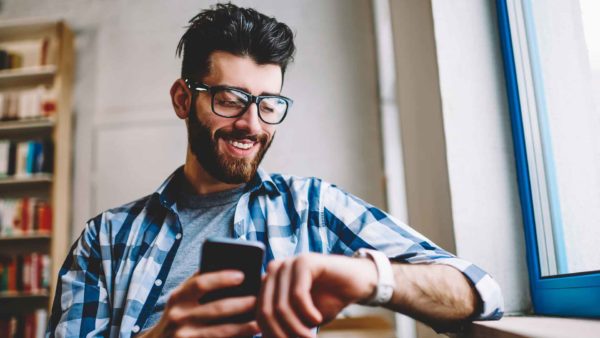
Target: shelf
<point x="25" y="243"/>
<point x="16" y="187"/>
<point x="26" y="180"/>
<point x="12" y="302"/>
<point x="26" y="128"/>
<point x="25" y="237"/>
<point x="27" y="76"/>
<point x="22" y="295"/>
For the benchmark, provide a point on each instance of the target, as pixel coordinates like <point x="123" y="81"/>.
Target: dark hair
<point x="240" y="31"/>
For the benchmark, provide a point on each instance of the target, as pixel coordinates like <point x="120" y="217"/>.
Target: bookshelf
<point x="53" y="78"/>
<point x="25" y="76"/>
<point x="21" y="129"/>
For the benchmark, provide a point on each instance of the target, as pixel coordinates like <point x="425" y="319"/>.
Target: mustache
<point x="240" y="134"/>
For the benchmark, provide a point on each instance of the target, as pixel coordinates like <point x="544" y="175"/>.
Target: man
<point x="133" y="271"/>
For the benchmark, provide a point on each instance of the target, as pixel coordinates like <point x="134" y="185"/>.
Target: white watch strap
<point x="385" y="276"/>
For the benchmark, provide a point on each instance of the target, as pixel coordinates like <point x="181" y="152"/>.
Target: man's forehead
<point x="244" y="73"/>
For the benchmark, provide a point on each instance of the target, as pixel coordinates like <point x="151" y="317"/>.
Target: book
<point x="4" y="63"/>
<point x="25" y="53"/>
<point x="4" y="157"/>
<point x="25" y="273"/>
<point x="25" y="215"/>
<point x="29" y="103"/>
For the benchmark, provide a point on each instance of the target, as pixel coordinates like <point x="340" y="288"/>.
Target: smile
<point x="241" y="145"/>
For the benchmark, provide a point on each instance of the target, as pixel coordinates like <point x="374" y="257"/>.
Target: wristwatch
<point x="385" y="277"/>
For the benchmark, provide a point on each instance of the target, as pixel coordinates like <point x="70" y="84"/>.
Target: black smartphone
<point x="230" y="254"/>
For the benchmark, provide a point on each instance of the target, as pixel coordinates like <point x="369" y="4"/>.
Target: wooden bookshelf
<point x="27" y="76"/>
<point x="12" y="183"/>
<point x="25" y="243"/>
<point x="20" y="129"/>
<point x="14" y="303"/>
<point x="57" y="75"/>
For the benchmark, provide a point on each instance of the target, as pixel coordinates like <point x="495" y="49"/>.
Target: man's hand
<point x="184" y="316"/>
<point x="304" y="291"/>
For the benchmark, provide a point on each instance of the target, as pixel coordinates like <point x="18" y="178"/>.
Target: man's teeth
<point x="240" y="145"/>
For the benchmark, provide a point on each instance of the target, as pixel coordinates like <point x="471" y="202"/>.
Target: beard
<point x="226" y="169"/>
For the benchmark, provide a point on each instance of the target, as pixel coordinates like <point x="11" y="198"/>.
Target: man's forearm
<point x="434" y="294"/>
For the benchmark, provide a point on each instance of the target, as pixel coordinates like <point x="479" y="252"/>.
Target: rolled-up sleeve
<point x="352" y="224"/>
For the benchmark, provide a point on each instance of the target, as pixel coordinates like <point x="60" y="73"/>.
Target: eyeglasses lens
<point x="230" y="103"/>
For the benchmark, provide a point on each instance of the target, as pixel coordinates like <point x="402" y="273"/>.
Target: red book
<point x="45" y="217"/>
<point x="12" y="275"/>
<point x="4" y="327"/>
<point x="29" y="326"/>
<point x="25" y="215"/>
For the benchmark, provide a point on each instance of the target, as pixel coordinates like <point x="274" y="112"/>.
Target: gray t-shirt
<point x="201" y="216"/>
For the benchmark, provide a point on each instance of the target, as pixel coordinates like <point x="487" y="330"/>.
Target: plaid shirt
<point x="114" y="273"/>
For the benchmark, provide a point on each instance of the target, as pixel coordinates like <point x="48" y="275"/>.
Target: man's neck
<point x="200" y="180"/>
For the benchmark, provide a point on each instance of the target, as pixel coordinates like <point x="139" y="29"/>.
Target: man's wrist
<point x="384" y="288"/>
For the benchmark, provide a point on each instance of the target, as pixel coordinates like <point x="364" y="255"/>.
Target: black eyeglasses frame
<point x="201" y="87"/>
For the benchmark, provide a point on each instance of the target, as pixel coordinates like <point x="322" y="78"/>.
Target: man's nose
<point x="249" y="121"/>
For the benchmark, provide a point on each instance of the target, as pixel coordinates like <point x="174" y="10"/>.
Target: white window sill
<point x="531" y="326"/>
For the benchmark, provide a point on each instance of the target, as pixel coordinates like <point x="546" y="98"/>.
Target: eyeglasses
<point x="232" y="102"/>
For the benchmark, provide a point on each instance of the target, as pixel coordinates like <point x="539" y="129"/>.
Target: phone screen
<point x="228" y="254"/>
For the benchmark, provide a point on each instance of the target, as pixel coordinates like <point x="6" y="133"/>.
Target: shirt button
<point x="136" y="329"/>
<point x="158" y="282"/>
<point x="178" y="236"/>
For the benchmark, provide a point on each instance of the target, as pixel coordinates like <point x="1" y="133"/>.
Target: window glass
<point x="562" y="130"/>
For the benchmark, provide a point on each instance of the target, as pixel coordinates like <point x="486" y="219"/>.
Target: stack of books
<point x="26" y="157"/>
<point x="31" y="325"/>
<point x="22" y="216"/>
<point x="25" y="273"/>
<point x="25" y="53"/>
<point x="30" y="103"/>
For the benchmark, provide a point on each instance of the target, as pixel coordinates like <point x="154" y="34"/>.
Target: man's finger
<point x="219" y="331"/>
<point x="218" y="309"/>
<point x="284" y="312"/>
<point x="300" y="296"/>
<point x="266" y="316"/>
<point x="198" y="285"/>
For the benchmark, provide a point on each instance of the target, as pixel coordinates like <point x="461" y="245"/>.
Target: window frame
<point x="576" y="294"/>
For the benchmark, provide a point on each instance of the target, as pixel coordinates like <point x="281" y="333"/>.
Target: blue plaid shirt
<point x="114" y="273"/>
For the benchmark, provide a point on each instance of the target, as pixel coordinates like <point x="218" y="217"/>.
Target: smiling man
<point x="133" y="271"/>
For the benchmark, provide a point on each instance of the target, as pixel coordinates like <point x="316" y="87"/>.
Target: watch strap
<point x="385" y="277"/>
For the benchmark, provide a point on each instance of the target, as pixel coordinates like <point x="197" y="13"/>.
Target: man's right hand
<point x="184" y="316"/>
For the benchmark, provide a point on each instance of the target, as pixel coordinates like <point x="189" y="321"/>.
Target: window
<point x="551" y="52"/>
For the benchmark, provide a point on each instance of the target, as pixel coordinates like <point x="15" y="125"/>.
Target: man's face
<point x="230" y="149"/>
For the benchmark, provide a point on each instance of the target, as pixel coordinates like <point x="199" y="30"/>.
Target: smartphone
<point x="230" y="254"/>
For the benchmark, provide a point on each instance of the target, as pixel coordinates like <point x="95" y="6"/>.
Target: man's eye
<point x="230" y="103"/>
<point x="266" y="109"/>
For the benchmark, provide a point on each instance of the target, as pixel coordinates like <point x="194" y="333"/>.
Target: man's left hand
<point x="302" y="292"/>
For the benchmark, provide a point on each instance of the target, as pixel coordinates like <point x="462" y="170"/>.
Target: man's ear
<point x="181" y="98"/>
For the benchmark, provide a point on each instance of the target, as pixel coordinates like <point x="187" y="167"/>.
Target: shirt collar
<point x="167" y="191"/>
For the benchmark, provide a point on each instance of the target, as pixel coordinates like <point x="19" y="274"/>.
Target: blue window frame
<point x="555" y="290"/>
